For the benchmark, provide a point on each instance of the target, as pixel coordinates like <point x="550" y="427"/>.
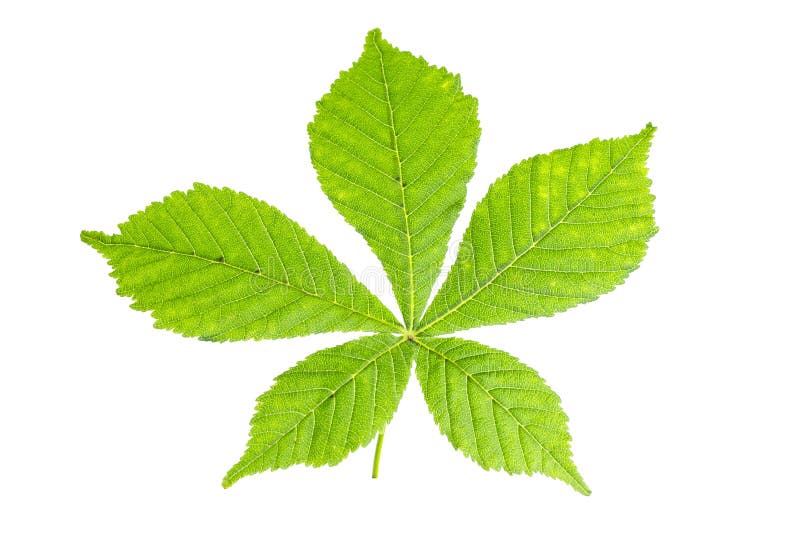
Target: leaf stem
<point x="377" y="460"/>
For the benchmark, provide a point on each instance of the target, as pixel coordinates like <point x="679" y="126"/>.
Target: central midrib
<point x="410" y="318"/>
<point x="253" y="273"/>
<point x="533" y="244"/>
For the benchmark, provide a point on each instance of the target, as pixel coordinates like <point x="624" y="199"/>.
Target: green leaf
<point x="496" y="410"/>
<point x="394" y="145"/>
<point x="327" y="406"/>
<point x="556" y="231"/>
<point x="221" y="265"/>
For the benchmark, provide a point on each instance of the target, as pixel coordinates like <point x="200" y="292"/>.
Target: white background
<point x="681" y="385"/>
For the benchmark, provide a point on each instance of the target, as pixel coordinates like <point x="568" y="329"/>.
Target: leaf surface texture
<point x="556" y="231"/>
<point x="223" y="266"/>
<point x="327" y="406"/>
<point x="495" y="409"/>
<point x="394" y="145"/>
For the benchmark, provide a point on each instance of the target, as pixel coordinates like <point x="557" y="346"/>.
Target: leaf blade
<point x="396" y="179"/>
<point x="556" y="231"/>
<point x="481" y="398"/>
<point x="222" y="266"/>
<point x="296" y="421"/>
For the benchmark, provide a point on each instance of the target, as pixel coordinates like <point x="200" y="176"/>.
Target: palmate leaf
<point x="557" y="230"/>
<point x="330" y="404"/>
<point x="394" y="145"/>
<point x="221" y="265"/>
<point x="496" y="410"/>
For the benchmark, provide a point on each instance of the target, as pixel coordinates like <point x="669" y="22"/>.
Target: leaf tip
<point x="231" y="477"/>
<point x="374" y="34"/>
<point x="92" y="238"/>
<point x="574" y="479"/>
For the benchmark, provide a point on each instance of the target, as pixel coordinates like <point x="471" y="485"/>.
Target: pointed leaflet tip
<point x="87" y="236"/>
<point x="93" y="238"/>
